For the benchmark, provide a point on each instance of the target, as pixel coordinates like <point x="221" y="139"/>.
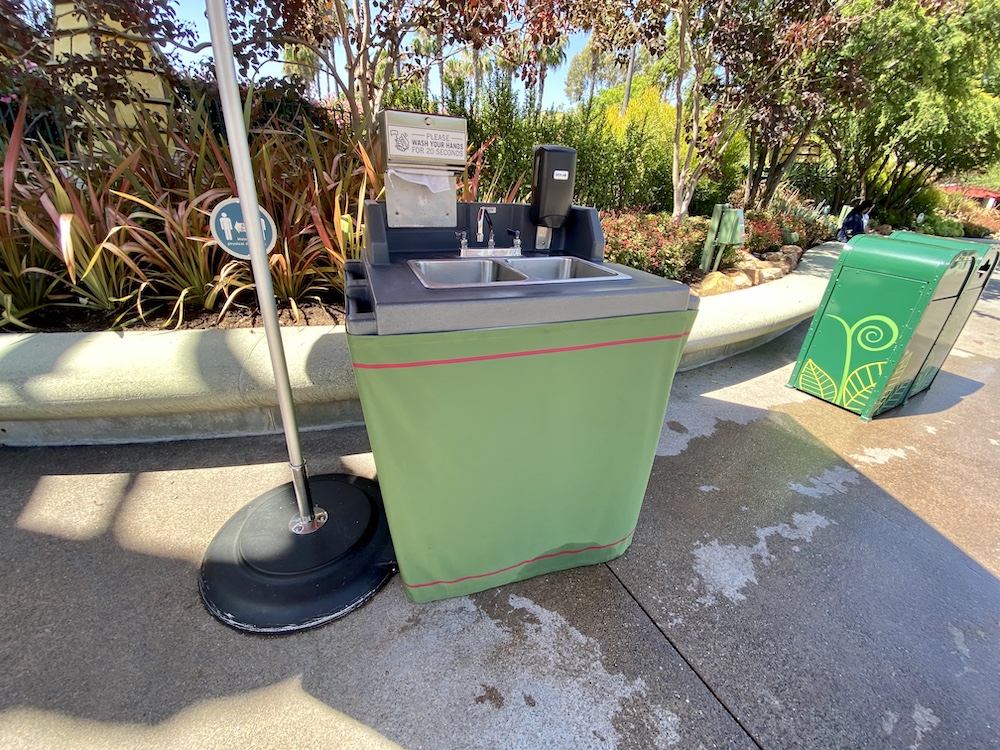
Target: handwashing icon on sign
<point x="401" y="140"/>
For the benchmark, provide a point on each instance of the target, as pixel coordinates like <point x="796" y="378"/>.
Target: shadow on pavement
<point x="103" y="628"/>
<point x="792" y="583"/>
<point x="818" y="608"/>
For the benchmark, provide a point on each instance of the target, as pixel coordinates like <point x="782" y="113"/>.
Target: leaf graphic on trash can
<point x="897" y="388"/>
<point x="813" y="379"/>
<point x="874" y="333"/>
<point x="860" y="385"/>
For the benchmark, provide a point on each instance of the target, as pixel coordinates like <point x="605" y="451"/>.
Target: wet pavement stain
<point x="490" y="695"/>
<point x="800" y="561"/>
<point x="727" y="568"/>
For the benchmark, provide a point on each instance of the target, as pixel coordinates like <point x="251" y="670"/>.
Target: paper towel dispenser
<point x="421" y="156"/>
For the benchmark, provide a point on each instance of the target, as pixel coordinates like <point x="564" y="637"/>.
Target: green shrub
<point x="763" y="232"/>
<point x="975" y="230"/>
<point x="896" y="219"/>
<point x="793" y="229"/>
<point x="953" y="227"/>
<point x="814" y="182"/>
<point x="624" y="162"/>
<point x="718" y="183"/>
<point x="979" y="217"/>
<point x="928" y="200"/>
<point x="654" y="243"/>
<point x="120" y="232"/>
<point x="942" y="226"/>
<point x="812" y="225"/>
<point x="976" y="220"/>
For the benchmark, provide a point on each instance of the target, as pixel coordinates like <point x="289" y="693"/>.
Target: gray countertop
<point x="398" y="303"/>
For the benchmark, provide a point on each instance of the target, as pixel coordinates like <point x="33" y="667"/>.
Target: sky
<point x="193" y="11"/>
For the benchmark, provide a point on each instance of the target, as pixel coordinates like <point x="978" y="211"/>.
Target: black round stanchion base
<point x="260" y="577"/>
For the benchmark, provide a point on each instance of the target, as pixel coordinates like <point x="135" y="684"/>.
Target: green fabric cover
<point x="511" y="452"/>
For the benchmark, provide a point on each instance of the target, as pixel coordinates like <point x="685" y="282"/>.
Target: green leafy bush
<point x="811" y="224"/>
<point x="654" y="243"/>
<point x="119" y="232"/>
<point x="793" y="229"/>
<point x="928" y="200"/>
<point x="763" y="232"/>
<point x="624" y="162"/>
<point x="719" y="182"/>
<point x="895" y="219"/>
<point x="975" y="230"/>
<point x="942" y="226"/>
<point x="979" y="220"/>
<point x="815" y="182"/>
<point x="976" y="220"/>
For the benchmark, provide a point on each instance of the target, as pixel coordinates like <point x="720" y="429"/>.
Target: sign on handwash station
<point x="230" y="230"/>
<point x="424" y="154"/>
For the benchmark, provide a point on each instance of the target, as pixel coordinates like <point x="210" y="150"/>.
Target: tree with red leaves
<point x="120" y="32"/>
<point x="366" y="46"/>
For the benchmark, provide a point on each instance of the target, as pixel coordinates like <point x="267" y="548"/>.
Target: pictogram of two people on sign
<point x="227" y="226"/>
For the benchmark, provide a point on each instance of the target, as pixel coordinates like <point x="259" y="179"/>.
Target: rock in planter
<point x="748" y="260"/>
<point x="793" y="250"/>
<point x="752" y="266"/>
<point x="740" y="278"/>
<point x="716" y="283"/>
<point x="786" y="263"/>
<point x="773" y="274"/>
<point x="792" y="255"/>
<point x="787" y="257"/>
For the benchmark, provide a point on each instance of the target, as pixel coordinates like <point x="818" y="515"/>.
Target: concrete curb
<point x="114" y="387"/>
<point x="739" y="321"/>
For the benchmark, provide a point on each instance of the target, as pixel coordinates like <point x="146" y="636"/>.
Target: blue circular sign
<point x="230" y="230"/>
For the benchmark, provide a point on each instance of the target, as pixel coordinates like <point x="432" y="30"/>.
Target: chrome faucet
<point x="484" y="214"/>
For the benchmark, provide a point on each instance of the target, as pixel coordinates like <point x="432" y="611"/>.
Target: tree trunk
<point x="778" y="169"/>
<point x="541" y="88"/>
<point x="593" y="72"/>
<point x="628" y="79"/>
<point x="681" y="202"/>
<point x="755" y="172"/>
<point x="440" y="56"/>
<point x="477" y="77"/>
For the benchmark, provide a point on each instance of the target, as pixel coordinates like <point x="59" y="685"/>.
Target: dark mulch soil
<point x="316" y="312"/>
<point x="322" y="311"/>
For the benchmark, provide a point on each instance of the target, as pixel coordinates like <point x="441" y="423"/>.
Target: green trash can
<point x="886" y="305"/>
<point x="513" y="404"/>
<point x="988" y="252"/>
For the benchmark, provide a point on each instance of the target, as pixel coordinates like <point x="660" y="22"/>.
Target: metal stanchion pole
<point x="281" y="563"/>
<point x="309" y="519"/>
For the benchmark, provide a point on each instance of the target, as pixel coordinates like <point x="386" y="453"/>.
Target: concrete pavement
<point x="799" y="579"/>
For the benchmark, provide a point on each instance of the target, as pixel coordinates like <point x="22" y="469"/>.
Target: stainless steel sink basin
<point x="562" y="269"/>
<point x="476" y="272"/>
<point x="443" y="274"/>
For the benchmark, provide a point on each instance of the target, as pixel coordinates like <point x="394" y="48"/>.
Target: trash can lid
<point x="903" y="258"/>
